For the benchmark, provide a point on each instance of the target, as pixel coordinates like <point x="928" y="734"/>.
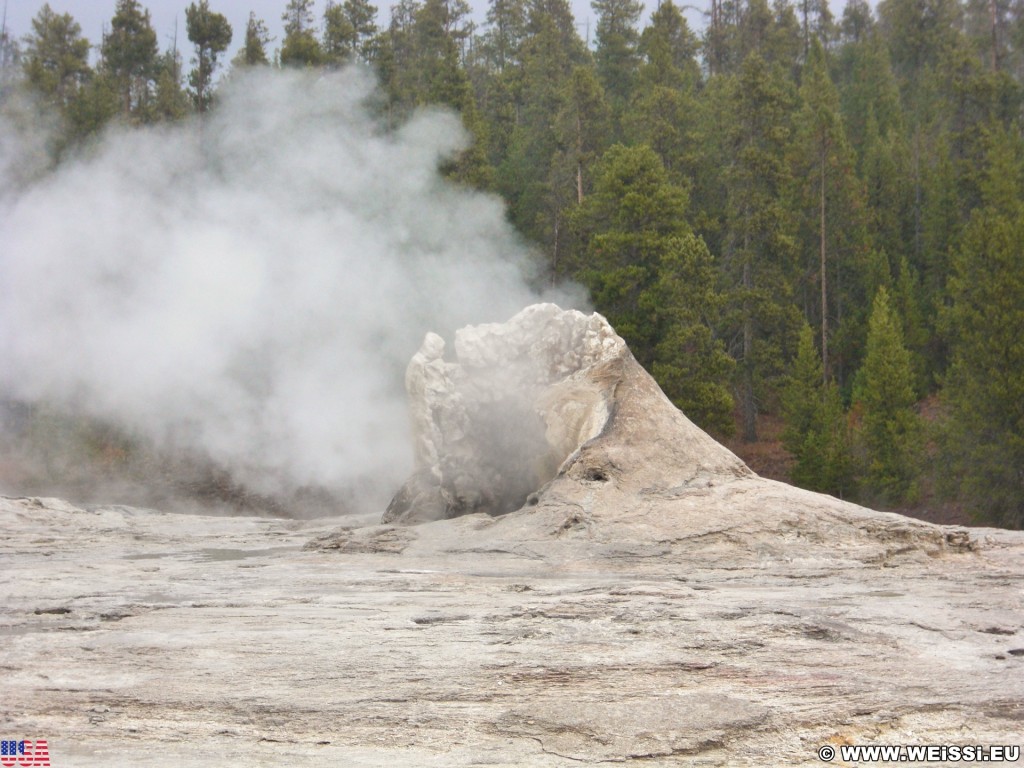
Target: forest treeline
<point x="790" y="213"/>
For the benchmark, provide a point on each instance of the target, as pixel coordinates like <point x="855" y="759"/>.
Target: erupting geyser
<point x="248" y="291"/>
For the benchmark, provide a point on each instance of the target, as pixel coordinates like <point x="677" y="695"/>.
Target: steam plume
<point x="253" y="287"/>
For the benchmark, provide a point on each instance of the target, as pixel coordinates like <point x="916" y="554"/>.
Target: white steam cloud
<point x="253" y="286"/>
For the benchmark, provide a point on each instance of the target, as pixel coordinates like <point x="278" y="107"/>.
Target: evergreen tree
<point x="98" y="102"/>
<point x="816" y="433"/>
<point x="10" y="61"/>
<point x="817" y="24"/>
<point x="496" y="73"/>
<point x="396" y="63"/>
<point x="56" y="59"/>
<point x="689" y="362"/>
<point x="908" y="300"/>
<point x="582" y="127"/>
<point x="739" y="28"/>
<point x="300" y="47"/>
<point x="662" y="113"/>
<point x="989" y="27"/>
<point x="886" y="169"/>
<point x="210" y="33"/>
<point x="857" y="22"/>
<point x="920" y="34"/>
<point x="759" y="246"/>
<point x="889" y="430"/>
<point x="349" y="29"/>
<point x="557" y="14"/>
<point x="719" y="37"/>
<point x="867" y="91"/>
<point x="439" y="29"/>
<point x="254" y="50"/>
<point x="339" y="37"/>
<point x="506" y="30"/>
<point x="942" y="218"/>
<point x="130" y="57"/>
<point x="362" y="19"/>
<point x="617" y="55"/>
<point x="786" y="40"/>
<point x="654" y="280"/>
<point x="669" y="45"/>
<point x="550" y="53"/>
<point x="171" y="102"/>
<point x="582" y="132"/>
<point x="831" y="204"/>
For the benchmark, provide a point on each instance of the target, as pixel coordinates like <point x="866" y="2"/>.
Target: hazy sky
<point x="92" y="14"/>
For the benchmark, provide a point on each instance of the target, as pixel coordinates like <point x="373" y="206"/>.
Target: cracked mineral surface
<point x="651" y="600"/>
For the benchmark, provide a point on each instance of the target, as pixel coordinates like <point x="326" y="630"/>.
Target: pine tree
<point x="349" y="29"/>
<point x="669" y="45"/>
<point x="759" y="246"/>
<point x="211" y="34"/>
<point x="582" y="127"/>
<point x="254" y="50"/>
<point x="857" y="22"/>
<point x="617" y="54"/>
<point x="130" y="55"/>
<point x="395" y="61"/>
<point x="817" y="24"/>
<point x="300" y="47"/>
<point x="890" y="430"/>
<point x="506" y="30"/>
<point x="439" y="29"/>
<point x="10" y="54"/>
<point x="662" y="113"/>
<point x="689" y="362"/>
<point x="920" y="35"/>
<point x="816" y="432"/>
<point x="170" y="102"/>
<point x="536" y="196"/>
<point x="339" y="37"/>
<point x="56" y="59"/>
<point x="831" y="205"/>
<point x="867" y="90"/>
<point x="655" y="281"/>
<point x="362" y="18"/>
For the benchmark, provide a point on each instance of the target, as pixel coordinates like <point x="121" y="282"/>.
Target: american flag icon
<point x="25" y="753"/>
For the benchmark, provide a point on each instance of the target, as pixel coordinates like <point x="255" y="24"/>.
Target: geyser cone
<point x="550" y="393"/>
<point x="600" y="466"/>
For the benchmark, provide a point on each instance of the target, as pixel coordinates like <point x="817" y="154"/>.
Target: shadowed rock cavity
<point x="524" y="402"/>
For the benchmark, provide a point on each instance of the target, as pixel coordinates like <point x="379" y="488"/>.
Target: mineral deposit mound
<point x="547" y="394"/>
<point x="545" y="428"/>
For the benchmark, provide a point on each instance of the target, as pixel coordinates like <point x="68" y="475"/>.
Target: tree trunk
<point x="579" y="159"/>
<point x="747" y="393"/>
<point x="824" y="276"/>
<point x="554" y="252"/>
<point x="807" y="30"/>
<point x="994" y="19"/>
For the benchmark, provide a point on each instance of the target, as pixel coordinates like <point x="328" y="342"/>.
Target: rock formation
<point x="548" y="393"/>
